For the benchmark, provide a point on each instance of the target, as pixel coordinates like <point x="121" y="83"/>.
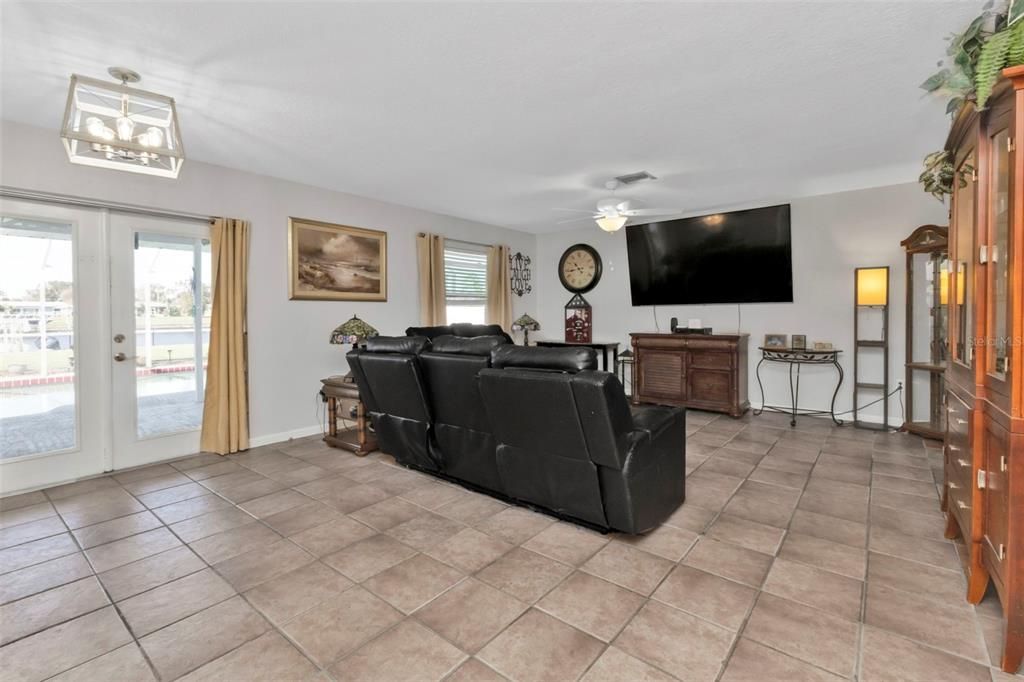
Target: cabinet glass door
<point x="962" y="272"/>
<point x="999" y="255"/>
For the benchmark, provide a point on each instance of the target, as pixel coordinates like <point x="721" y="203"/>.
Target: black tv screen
<point x="737" y="257"/>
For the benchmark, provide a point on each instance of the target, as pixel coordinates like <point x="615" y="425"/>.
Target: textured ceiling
<point x="499" y="112"/>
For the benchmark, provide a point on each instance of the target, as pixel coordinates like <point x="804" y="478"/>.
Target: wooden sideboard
<point x="984" y="443"/>
<point x="702" y="371"/>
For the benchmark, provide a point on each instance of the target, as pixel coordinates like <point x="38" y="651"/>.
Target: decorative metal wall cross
<point x="519" y="273"/>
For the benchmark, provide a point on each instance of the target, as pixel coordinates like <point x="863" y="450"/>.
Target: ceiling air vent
<point x="633" y="178"/>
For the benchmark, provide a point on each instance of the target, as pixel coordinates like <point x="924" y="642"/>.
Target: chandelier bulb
<point x="125" y="128"/>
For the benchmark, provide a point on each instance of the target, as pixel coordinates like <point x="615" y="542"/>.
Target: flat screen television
<point x="737" y="257"/>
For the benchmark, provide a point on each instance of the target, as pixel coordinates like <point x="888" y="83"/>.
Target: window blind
<point x="465" y="276"/>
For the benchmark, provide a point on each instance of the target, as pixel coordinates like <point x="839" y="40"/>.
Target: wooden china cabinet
<point x="984" y="443"/>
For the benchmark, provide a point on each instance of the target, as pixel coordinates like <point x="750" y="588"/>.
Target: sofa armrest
<point x="652" y="420"/>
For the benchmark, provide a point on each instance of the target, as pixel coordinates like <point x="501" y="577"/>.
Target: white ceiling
<point x="500" y="111"/>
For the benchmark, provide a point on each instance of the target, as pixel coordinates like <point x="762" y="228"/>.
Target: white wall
<point x="832" y="234"/>
<point x="288" y="349"/>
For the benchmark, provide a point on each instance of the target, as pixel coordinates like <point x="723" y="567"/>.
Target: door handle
<point x="121" y="357"/>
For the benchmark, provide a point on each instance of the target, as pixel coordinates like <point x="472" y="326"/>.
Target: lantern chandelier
<point x="112" y="125"/>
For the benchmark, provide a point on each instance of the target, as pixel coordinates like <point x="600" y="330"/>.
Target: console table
<point x="700" y="371"/>
<point x="795" y="358"/>
<point x="343" y="401"/>
<point x="603" y="348"/>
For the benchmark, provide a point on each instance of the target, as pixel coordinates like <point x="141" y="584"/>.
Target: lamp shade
<point x="611" y="223"/>
<point x="526" y="322"/>
<point x="944" y="286"/>
<point x="353" y="331"/>
<point x="872" y="286"/>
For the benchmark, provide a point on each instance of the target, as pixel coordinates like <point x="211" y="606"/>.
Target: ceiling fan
<point x="613" y="212"/>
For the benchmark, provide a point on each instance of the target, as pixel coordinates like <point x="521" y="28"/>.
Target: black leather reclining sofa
<point x="537" y="426"/>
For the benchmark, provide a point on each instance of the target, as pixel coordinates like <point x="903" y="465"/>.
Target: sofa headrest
<point x="466" y="329"/>
<point x="460" y="345"/>
<point x="552" y="359"/>
<point x="430" y="332"/>
<point x="406" y="345"/>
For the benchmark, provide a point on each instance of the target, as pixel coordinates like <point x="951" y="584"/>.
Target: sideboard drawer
<point x="711" y="359"/>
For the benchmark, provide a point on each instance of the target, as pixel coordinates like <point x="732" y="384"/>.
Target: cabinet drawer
<point x="996" y="497"/>
<point x="960" y="505"/>
<point x="959" y="416"/>
<point x="710" y="359"/>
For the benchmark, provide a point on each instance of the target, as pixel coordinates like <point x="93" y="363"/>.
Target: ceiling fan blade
<point x="651" y="211"/>
<point x="573" y="210"/>
<point x="574" y="220"/>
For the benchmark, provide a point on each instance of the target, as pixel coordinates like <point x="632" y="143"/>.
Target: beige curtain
<point x="499" y="291"/>
<point x="430" y="255"/>
<point x="226" y="407"/>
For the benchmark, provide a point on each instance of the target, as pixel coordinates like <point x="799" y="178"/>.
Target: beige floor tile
<point x="33" y="530"/>
<point x="730" y="561"/>
<point x="195" y="461"/>
<point x="78" y="488"/>
<point x="300" y="518"/>
<point x="904" y="485"/>
<point x="250" y="491"/>
<point x="540" y="647"/>
<point x="108" y="531"/>
<point x="615" y="665"/>
<point x="708" y="596"/>
<point x="774" y="476"/>
<point x="248" y="570"/>
<point x="300" y="475"/>
<point x="203" y="637"/>
<point x="407" y="653"/>
<point x="32" y="614"/>
<point x="16" y="516"/>
<point x="286" y="596"/>
<point x="472" y="509"/>
<point x="833" y="593"/>
<point x="332" y="536"/>
<point x="218" y="468"/>
<point x="745" y="533"/>
<point x="433" y="495"/>
<point x="667" y="542"/>
<point x="36" y="552"/>
<point x="425" y="531"/>
<point x="629" y="567"/>
<point x="885" y="653"/>
<point x="135" y="578"/>
<point x="231" y="480"/>
<point x="926" y="526"/>
<point x="526" y="575"/>
<point x="933" y="552"/>
<point x="515" y="525"/>
<point x="813" y="636"/>
<point x="592" y="605"/>
<point x="190" y="508"/>
<point x="168" y="496"/>
<point x="469" y="550"/>
<point x="839" y="507"/>
<point x="412" y="583"/>
<point x="676" y="642"/>
<point x="473" y="670"/>
<point x="211" y="523"/>
<point x="369" y="557"/>
<point x="691" y="517"/>
<point x="124" y="551"/>
<point x="905" y="501"/>
<point x="940" y="585"/>
<point x="154" y="483"/>
<point x="340" y="624"/>
<point x="23" y="500"/>
<point x="825" y="554"/>
<point x="852" y="533"/>
<point x="763" y="503"/>
<point x="753" y="662"/>
<point x="126" y="663"/>
<point x="173" y="601"/>
<point x="141" y="473"/>
<point x="950" y="627"/>
<point x="274" y="503"/>
<point x="223" y="546"/>
<point x="353" y="498"/>
<point x="471" y="614"/>
<point x="566" y="543"/>
<point x="269" y="657"/>
<point x="63" y="647"/>
<point x="387" y="513"/>
<point x="41" y="577"/>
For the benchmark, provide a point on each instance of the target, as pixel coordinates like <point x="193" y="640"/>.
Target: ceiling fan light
<point x="611" y="223"/>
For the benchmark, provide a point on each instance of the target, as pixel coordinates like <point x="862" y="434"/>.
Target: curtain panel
<point x="226" y="405"/>
<point x="430" y="259"/>
<point x="499" y="291"/>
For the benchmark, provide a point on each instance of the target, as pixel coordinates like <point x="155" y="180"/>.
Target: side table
<point x="342" y="396"/>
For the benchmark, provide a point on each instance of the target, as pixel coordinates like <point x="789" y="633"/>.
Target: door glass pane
<point x="172" y="332"/>
<point x="37" y="338"/>
<point x="963" y="280"/>
<point x="999" y="208"/>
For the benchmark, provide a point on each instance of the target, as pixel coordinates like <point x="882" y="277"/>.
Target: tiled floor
<point x="806" y="554"/>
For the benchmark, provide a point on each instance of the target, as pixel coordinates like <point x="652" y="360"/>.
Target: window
<point x="465" y="283"/>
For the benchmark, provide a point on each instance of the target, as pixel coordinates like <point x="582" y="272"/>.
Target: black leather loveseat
<point x="537" y="426"/>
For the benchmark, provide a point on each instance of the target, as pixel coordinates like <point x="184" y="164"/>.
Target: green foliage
<point x="956" y="77"/>
<point x="995" y="56"/>
<point x="939" y="174"/>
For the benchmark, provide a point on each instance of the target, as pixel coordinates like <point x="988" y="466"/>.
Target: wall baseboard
<point x="281" y="436"/>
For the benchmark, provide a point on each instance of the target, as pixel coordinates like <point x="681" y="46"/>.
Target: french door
<point x="104" y="325"/>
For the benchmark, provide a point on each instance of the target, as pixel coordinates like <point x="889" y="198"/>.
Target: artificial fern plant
<point x="1003" y="49"/>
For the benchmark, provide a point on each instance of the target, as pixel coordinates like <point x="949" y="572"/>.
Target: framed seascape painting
<point x="329" y="262"/>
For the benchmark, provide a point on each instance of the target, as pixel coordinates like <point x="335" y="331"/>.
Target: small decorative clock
<point x="579" y="321"/>
<point x="579" y="269"/>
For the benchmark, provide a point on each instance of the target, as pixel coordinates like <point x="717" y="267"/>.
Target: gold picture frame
<point x="329" y="262"/>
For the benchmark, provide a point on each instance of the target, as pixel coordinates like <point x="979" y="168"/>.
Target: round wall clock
<point x="579" y="269"/>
